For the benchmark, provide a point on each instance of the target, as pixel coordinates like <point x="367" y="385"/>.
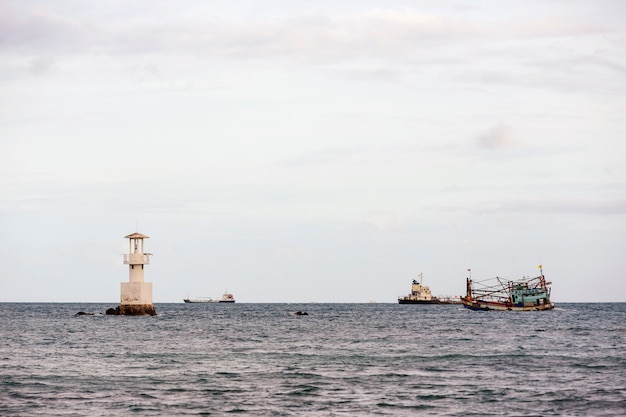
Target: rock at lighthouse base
<point x="132" y="310"/>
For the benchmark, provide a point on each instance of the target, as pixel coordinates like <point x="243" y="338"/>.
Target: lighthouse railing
<point x="136" y="258"/>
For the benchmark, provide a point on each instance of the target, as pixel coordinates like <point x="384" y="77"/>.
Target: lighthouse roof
<point x="136" y="235"/>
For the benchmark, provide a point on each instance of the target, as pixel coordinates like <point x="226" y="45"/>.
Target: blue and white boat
<point x="526" y="294"/>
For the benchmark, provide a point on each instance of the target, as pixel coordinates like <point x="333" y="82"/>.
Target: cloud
<point x="35" y="27"/>
<point x="374" y="74"/>
<point x="571" y="206"/>
<point x="382" y="44"/>
<point x="41" y="65"/>
<point x="546" y="206"/>
<point x="384" y="220"/>
<point x="314" y="36"/>
<point x="551" y="27"/>
<point x="498" y="137"/>
<point x="327" y="155"/>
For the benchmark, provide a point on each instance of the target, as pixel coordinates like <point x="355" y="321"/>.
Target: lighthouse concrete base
<point x="136" y="293"/>
<point x="132" y="310"/>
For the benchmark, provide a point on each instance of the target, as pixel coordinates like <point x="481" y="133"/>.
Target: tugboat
<point x="420" y="294"/>
<point x="526" y="294"/>
<point x="226" y="298"/>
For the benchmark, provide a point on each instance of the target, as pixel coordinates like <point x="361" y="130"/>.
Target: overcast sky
<point x="324" y="151"/>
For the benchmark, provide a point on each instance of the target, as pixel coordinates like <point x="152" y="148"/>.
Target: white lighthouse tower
<point x="136" y="295"/>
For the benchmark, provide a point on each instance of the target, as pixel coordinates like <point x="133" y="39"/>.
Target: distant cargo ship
<point x="226" y="298"/>
<point x="420" y="294"/>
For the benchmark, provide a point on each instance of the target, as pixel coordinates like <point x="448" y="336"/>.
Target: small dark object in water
<point x="301" y="313"/>
<point x="82" y="313"/>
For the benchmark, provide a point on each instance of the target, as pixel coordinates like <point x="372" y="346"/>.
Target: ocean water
<point x="339" y="360"/>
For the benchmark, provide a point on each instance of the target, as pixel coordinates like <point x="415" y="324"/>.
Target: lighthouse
<point x="136" y="295"/>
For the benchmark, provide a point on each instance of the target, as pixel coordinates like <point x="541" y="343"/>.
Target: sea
<point x="373" y="359"/>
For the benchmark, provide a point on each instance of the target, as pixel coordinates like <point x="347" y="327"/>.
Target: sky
<point x="311" y="151"/>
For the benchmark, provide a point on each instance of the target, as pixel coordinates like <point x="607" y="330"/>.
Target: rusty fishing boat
<point x="526" y="294"/>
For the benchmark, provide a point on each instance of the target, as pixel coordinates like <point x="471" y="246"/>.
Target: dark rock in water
<point x="132" y="310"/>
<point x="301" y="313"/>
<point x="82" y="313"/>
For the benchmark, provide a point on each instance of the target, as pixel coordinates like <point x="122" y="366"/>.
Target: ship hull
<point x="402" y="301"/>
<point x="480" y="305"/>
